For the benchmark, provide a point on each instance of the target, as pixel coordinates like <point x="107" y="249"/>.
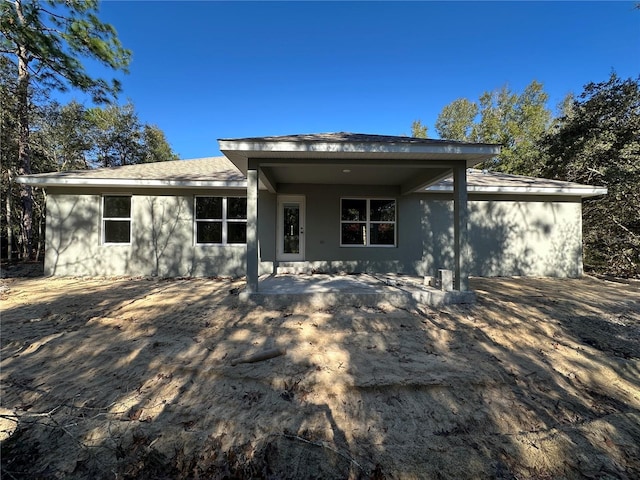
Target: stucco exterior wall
<point x="162" y="238"/>
<point x="528" y="236"/>
<point x="508" y="235"/>
<point x="323" y="250"/>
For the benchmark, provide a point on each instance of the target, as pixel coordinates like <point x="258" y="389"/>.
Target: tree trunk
<point x="9" y="227"/>
<point x="24" y="150"/>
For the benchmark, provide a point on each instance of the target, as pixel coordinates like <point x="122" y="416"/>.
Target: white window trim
<point x="224" y="220"/>
<point x="104" y="219"/>
<point x="370" y="222"/>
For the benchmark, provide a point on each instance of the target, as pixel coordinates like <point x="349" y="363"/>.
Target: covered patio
<point x="363" y="289"/>
<point x="286" y="165"/>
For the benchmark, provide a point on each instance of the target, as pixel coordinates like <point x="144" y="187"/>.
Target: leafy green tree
<point x="11" y="217"/>
<point x="8" y="155"/>
<point x="67" y="137"/>
<point x="456" y="120"/>
<point x="597" y="142"/>
<point x="47" y="41"/>
<point x="418" y="130"/>
<point x="62" y="136"/>
<point x="156" y="148"/>
<point x="517" y="122"/>
<point x="116" y="136"/>
<point x="119" y="138"/>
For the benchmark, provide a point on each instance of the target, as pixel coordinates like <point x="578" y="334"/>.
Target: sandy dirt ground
<point x="133" y="378"/>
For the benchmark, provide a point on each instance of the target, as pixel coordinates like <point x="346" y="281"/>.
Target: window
<point x="116" y="219"/>
<point x="367" y="222"/>
<point x="221" y="220"/>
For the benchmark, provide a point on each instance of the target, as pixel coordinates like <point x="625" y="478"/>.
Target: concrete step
<point x="294" y="268"/>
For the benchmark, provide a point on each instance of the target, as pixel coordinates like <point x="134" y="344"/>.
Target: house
<point x="336" y="202"/>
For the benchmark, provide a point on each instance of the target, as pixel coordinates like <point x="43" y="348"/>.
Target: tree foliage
<point x="50" y="39"/>
<point x="456" y="120"/>
<point x="156" y="147"/>
<point x="116" y="140"/>
<point x="47" y="41"/>
<point x="514" y="120"/>
<point x="119" y="138"/>
<point x="517" y="122"/>
<point x="418" y="130"/>
<point x="43" y="45"/>
<point x="8" y="150"/>
<point x="62" y="138"/>
<point x="597" y="142"/>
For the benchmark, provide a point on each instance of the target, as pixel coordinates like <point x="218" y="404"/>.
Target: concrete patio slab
<point x="323" y="290"/>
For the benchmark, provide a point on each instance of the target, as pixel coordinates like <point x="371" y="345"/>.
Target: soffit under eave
<point x="241" y="158"/>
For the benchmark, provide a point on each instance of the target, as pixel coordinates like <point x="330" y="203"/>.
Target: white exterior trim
<point x="368" y="222"/>
<point x="128" y="182"/>
<point x="242" y="185"/>
<point x="194" y="184"/>
<point x="356" y="147"/>
<point x="103" y="219"/>
<point x="223" y="220"/>
<point x="291" y="257"/>
<point x="569" y="191"/>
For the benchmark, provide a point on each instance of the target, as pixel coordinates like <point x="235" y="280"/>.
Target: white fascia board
<point x="249" y="147"/>
<point x="569" y="191"/>
<point x="128" y="182"/>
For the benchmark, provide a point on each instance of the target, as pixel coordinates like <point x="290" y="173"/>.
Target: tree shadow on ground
<point x="132" y="378"/>
<point x="22" y="269"/>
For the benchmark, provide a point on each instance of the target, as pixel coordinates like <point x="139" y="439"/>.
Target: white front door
<point x="290" y="236"/>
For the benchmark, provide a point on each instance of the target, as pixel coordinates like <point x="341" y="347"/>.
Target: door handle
<point x="301" y="230"/>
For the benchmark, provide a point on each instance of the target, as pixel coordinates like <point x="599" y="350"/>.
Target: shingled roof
<point x="201" y="172"/>
<point x="219" y="172"/>
<point x="483" y="181"/>
<point x="348" y="137"/>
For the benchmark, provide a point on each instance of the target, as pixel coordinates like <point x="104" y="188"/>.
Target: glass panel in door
<point x="291" y="225"/>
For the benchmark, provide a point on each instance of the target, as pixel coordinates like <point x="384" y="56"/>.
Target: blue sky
<point x="208" y="70"/>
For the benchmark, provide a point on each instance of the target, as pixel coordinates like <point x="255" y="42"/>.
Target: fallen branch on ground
<point x="259" y="356"/>
<point x="325" y="445"/>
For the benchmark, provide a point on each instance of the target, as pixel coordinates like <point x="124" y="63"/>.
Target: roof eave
<point x="562" y="191"/>
<point x="239" y="151"/>
<point x="253" y="146"/>
<point x="129" y="182"/>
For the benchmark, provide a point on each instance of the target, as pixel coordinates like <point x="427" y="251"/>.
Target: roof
<point x="202" y="172"/>
<point x="323" y="148"/>
<point x="347" y="137"/>
<point x="219" y="172"/>
<point x="483" y="181"/>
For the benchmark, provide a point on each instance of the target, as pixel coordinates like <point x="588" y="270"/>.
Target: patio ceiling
<point x="354" y="159"/>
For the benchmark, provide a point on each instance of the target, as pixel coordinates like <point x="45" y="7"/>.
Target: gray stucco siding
<point x="509" y="235"/>
<point x="323" y="251"/>
<point x="527" y="236"/>
<point x="162" y="238"/>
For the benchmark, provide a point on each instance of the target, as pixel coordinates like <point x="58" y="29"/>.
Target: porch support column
<point x="252" y="226"/>
<point x="460" y="228"/>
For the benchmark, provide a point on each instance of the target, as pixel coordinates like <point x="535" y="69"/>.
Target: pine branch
<point x="55" y="15"/>
<point x="633" y="234"/>
<point x="324" y="445"/>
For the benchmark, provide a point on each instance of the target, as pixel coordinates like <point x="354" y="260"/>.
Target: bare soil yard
<point x="133" y="378"/>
